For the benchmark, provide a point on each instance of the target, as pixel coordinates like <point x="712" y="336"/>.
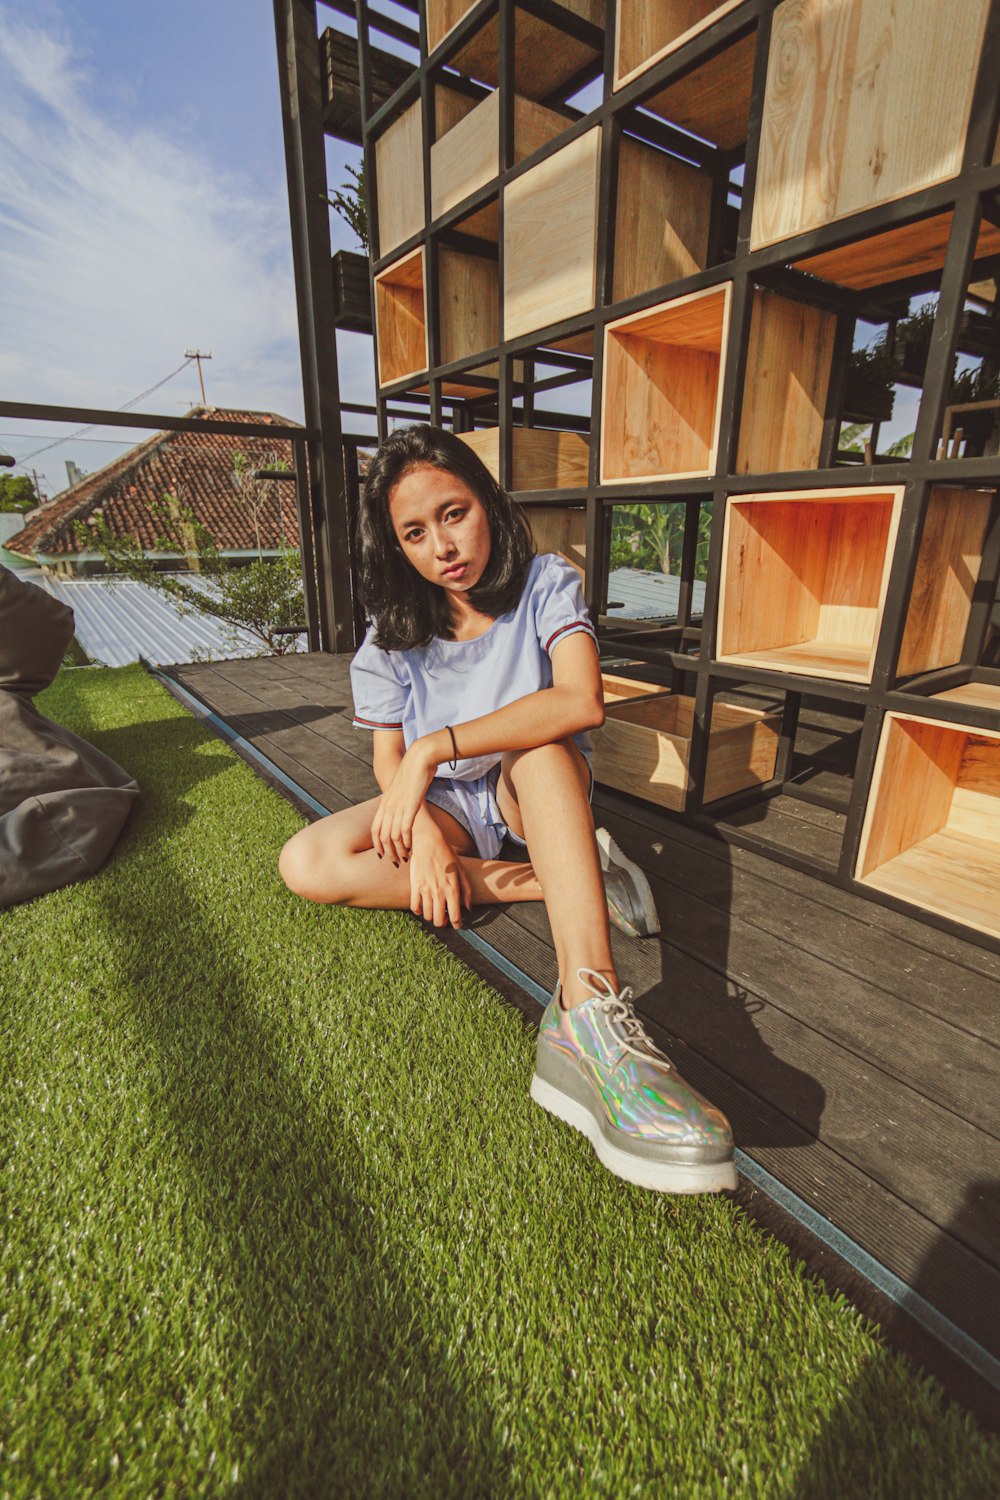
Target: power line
<point x="73" y="436"/>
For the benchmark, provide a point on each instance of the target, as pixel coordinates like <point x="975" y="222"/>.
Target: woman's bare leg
<point x="544" y="798"/>
<point x="332" y="861"/>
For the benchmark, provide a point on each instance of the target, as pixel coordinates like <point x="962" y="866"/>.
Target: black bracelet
<point x="453" y="763"/>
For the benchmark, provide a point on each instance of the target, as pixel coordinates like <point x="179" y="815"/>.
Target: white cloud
<point x="116" y="249"/>
<point x="120" y="248"/>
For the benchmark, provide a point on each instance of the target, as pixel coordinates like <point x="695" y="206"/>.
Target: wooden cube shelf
<point x="401" y="319"/>
<point x="468" y="303"/>
<point x="550" y="238"/>
<point x="645" y="745"/>
<point x="648" y="30"/>
<point x="545" y="57"/>
<point x="949" y="562"/>
<point x="789" y="359"/>
<point x="663" y="215"/>
<point x="931" y="834"/>
<point x="542" y="459"/>
<point x="468" y="156"/>
<point x="804" y="579"/>
<point x="662" y="386"/>
<point x="835" y="142"/>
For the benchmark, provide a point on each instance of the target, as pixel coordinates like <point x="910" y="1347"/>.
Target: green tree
<point x="651" y="537"/>
<point x="262" y="598"/>
<point x="17" y="494"/>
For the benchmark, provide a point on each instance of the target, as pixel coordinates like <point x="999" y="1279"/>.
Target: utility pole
<point x="197" y="355"/>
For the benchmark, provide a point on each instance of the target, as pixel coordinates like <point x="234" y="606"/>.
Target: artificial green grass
<point x="278" y="1218"/>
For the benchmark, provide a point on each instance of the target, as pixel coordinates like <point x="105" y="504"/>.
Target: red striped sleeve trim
<point x="373" y="723"/>
<point x="573" y="625"/>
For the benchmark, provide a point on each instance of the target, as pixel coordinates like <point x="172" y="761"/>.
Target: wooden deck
<point x="854" y="1049"/>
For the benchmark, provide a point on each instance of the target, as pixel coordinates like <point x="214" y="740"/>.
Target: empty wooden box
<point x="864" y="103"/>
<point x="401" y="319"/>
<point x="542" y="459"/>
<point x="931" y="834"/>
<point x="804" y="578"/>
<point x="662" y="389"/>
<point x="550" y="238"/>
<point x="645" y="744"/>
<point x="712" y="100"/>
<point x="468" y="156"/>
<point x="949" y="563"/>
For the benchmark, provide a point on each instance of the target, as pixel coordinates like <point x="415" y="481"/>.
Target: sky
<point x="143" y="212"/>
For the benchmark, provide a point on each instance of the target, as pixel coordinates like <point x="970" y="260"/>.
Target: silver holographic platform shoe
<point x="597" y="1070"/>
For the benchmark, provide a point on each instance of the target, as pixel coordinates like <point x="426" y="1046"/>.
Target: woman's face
<point x="441" y="526"/>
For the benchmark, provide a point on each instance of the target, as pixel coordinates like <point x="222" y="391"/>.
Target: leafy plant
<point x="17" y="494"/>
<point x="974" y="385"/>
<point x="260" y="598"/>
<point x="651" y="537"/>
<point x="351" y="204"/>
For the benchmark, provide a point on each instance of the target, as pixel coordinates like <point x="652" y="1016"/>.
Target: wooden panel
<point x="442" y="15"/>
<point x="975" y="807"/>
<point x="804" y="578"/>
<point x="663" y="214"/>
<point x="714" y="100"/>
<point x="542" y="459"/>
<point x="647" y="30"/>
<point x="544" y="56"/>
<point x="400" y="319"/>
<point x="468" y="303"/>
<point x="948" y="564"/>
<point x="399" y="179"/>
<point x="910" y="250"/>
<point x="948" y="873"/>
<point x="468" y="157"/>
<point x="974" y="694"/>
<point x="787" y="377"/>
<point x="450" y="107"/>
<point x="621" y="689"/>
<point x="550" y="238"/>
<point x="661" y="388"/>
<point x="557" y="528"/>
<point x="644" y="745"/>
<point x="863" y="104"/>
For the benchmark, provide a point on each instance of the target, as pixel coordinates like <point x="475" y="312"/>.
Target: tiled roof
<point x="195" y="468"/>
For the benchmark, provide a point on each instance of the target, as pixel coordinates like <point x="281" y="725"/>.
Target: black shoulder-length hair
<point x="406" y="610"/>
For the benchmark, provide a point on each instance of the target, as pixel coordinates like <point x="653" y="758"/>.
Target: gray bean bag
<point x="62" y="803"/>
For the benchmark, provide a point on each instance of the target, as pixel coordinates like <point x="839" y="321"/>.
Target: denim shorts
<point x="474" y="804"/>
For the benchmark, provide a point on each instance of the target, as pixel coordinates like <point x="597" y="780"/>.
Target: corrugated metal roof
<point x="648" y="596"/>
<point x="119" y="621"/>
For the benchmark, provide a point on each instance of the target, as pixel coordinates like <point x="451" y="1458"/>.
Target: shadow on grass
<point x="865" y="1451"/>
<point x="340" y="1378"/>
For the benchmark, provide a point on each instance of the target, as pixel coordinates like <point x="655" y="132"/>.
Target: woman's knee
<point x="313" y="871"/>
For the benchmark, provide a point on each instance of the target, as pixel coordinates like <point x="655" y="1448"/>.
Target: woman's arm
<point x="574" y="702"/>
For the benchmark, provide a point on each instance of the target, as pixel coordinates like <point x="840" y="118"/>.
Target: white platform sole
<point x="611" y="853"/>
<point x="662" y="1177"/>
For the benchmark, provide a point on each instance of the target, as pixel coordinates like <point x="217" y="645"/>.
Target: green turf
<point x="278" y="1218"/>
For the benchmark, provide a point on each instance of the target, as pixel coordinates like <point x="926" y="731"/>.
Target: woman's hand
<point x="439" y="886"/>
<point x="392" y="826"/>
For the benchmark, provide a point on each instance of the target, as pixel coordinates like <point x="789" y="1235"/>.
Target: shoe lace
<point x="619" y="1008"/>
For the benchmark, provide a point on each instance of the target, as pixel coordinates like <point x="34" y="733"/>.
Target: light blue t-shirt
<point x="450" y="682"/>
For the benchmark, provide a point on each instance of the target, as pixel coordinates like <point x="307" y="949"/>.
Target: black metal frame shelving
<point x="682" y="651"/>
